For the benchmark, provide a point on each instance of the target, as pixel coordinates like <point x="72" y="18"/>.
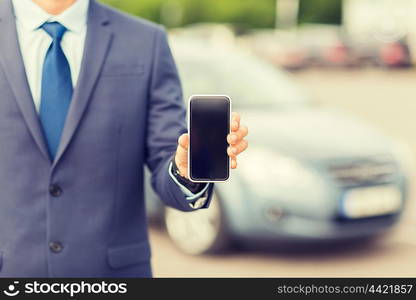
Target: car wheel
<point x="199" y="232"/>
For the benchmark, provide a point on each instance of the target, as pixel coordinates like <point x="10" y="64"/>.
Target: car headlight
<point x="266" y="171"/>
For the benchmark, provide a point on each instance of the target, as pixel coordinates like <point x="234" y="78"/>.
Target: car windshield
<point x="250" y="82"/>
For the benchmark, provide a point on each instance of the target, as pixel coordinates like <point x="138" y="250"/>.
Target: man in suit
<point x="88" y="96"/>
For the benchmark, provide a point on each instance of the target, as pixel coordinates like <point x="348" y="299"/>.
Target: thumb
<point x="182" y="151"/>
<point x="183" y="141"/>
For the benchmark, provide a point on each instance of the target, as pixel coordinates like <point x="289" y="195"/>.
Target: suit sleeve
<point x="166" y="122"/>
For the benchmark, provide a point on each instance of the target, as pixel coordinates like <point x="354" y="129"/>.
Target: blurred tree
<point x="320" y="11"/>
<point x="246" y="13"/>
<point x="250" y="13"/>
<point x="149" y="9"/>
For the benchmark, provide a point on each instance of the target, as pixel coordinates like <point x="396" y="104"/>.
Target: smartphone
<point x="209" y="124"/>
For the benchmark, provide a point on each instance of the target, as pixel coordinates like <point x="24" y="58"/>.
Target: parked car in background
<point x="382" y="32"/>
<point x="328" y="45"/>
<point x="311" y="173"/>
<point x="317" y="45"/>
<point x="278" y="47"/>
<point x="309" y="45"/>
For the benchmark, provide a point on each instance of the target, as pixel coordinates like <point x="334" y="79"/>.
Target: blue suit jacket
<point x="127" y="111"/>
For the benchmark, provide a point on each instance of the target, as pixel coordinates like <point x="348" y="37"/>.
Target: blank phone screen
<point x="209" y="127"/>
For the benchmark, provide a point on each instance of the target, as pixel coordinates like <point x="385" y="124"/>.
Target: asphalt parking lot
<point x="387" y="100"/>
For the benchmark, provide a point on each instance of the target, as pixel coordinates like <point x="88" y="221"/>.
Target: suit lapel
<point x="12" y="62"/>
<point x="97" y="43"/>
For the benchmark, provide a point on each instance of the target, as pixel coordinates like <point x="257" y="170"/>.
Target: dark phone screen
<point x="209" y="127"/>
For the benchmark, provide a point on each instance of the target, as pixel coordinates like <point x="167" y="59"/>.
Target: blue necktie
<point x="56" y="93"/>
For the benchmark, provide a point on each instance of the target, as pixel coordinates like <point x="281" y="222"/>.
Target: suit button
<point x="55" y="190"/>
<point x="55" y="247"/>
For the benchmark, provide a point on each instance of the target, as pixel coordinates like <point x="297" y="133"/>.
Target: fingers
<point x="235" y="121"/>
<point x="236" y="137"/>
<point x="233" y="163"/>
<point x="233" y="151"/>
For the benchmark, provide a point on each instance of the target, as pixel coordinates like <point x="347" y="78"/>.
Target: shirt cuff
<point x="191" y="197"/>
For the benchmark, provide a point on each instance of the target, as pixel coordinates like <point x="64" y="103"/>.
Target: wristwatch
<point x="191" y="186"/>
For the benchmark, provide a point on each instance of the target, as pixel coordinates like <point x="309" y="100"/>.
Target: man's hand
<point x="235" y="139"/>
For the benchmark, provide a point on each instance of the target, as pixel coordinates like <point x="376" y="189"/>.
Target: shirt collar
<point x="31" y="16"/>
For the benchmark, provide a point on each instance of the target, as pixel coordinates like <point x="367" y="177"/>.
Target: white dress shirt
<point x="34" y="43"/>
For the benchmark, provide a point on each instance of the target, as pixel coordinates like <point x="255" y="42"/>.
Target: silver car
<point x="310" y="174"/>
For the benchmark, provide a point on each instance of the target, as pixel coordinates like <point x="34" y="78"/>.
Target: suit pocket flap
<point x="127" y="255"/>
<point x="113" y="69"/>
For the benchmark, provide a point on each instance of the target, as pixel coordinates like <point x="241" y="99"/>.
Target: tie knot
<point x="54" y="29"/>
